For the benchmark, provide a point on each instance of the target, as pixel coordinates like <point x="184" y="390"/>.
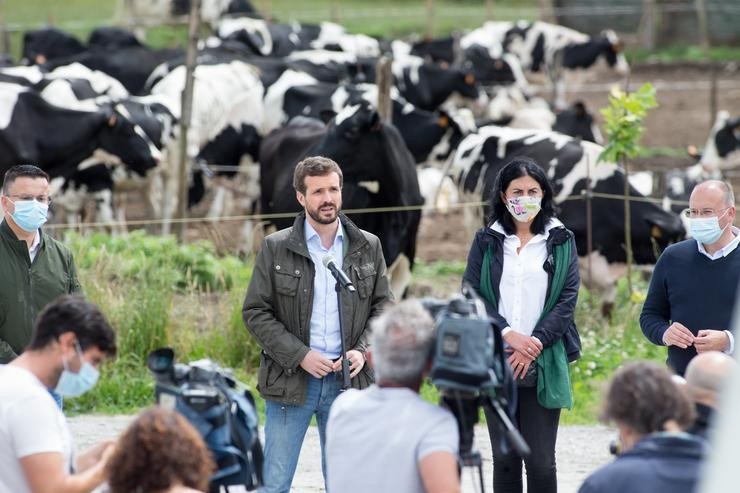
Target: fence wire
<point x="372" y="210"/>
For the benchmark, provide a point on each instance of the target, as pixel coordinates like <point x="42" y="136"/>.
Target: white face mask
<point x="524" y="209"/>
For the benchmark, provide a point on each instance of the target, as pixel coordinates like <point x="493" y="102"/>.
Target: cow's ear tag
<point x="112" y="120"/>
<point x="443" y="121"/>
<point x="469" y="79"/>
<point x="656" y="232"/>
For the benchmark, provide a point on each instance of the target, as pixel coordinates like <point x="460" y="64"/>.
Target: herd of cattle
<point x="103" y="117"/>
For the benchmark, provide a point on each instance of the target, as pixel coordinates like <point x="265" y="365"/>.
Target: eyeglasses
<point x="703" y="212"/>
<point x="43" y="199"/>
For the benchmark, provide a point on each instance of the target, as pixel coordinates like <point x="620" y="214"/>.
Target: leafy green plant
<point x="623" y="123"/>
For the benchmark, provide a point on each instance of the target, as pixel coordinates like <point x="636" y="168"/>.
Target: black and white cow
<point x="131" y="65"/>
<point x="58" y="139"/>
<point x="227" y="120"/>
<point x="273" y="39"/>
<point x="425" y="85"/>
<point x="566" y="162"/>
<point x="550" y="47"/>
<point x="211" y="10"/>
<point x="431" y="137"/>
<point x="721" y="153"/>
<point x="378" y="172"/>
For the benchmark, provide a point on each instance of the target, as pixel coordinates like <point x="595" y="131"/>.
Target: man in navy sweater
<point x="692" y="292"/>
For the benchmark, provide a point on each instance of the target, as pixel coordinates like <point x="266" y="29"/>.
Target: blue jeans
<point x="286" y="426"/>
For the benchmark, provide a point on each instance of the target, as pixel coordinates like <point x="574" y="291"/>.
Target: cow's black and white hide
<point x="378" y="172"/>
<point x="273" y="39"/>
<point x="722" y="148"/>
<point x="550" y="47"/>
<point x="226" y="126"/>
<point x="212" y="11"/>
<point x="64" y="142"/>
<point x="566" y="162"/>
<point x="431" y="137"/>
<point x="513" y="108"/>
<point x="131" y="66"/>
<point x="721" y="152"/>
<point x="425" y="85"/>
<point x="57" y="139"/>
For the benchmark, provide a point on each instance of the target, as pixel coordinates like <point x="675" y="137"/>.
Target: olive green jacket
<point x="277" y="307"/>
<point x="26" y="288"/>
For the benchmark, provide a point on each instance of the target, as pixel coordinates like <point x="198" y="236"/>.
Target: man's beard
<point x="315" y="214"/>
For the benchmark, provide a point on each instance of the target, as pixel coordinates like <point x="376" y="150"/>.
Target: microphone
<point x="331" y="263"/>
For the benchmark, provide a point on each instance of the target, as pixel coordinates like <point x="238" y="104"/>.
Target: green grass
<point x="157" y="293"/>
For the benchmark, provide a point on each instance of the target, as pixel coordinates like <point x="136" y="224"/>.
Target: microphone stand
<point x="345" y="362"/>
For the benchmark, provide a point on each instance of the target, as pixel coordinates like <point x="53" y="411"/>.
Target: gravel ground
<point x="580" y="450"/>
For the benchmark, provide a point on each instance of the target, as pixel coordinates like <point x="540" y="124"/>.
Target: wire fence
<point x="370" y="210"/>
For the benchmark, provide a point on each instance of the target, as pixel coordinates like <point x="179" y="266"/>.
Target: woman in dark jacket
<point x="525" y="267"/>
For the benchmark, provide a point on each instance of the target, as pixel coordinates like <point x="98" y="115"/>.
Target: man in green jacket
<point x="35" y="269"/>
<point x="291" y="309"/>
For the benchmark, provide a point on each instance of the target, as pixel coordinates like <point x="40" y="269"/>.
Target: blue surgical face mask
<point x="75" y="384"/>
<point x="30" y="215"/>
<point x="706" y="229"/>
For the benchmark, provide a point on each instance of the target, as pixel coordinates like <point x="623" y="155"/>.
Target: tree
<point x="623" y="123"/>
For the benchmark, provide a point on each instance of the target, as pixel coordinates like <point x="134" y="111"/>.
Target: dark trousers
<point x="539" y="427"/>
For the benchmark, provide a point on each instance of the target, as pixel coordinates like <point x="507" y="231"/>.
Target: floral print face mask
<point x="524" y="209"/>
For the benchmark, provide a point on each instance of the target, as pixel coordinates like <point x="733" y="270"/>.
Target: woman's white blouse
<point x="523" y="286"/>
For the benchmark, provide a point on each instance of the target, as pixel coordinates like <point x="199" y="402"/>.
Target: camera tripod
<point x="465" y="408"/>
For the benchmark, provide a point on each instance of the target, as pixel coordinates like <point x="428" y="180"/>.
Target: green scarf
<point x="553" y="378"/>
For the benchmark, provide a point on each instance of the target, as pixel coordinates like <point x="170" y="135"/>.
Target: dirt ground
<point x="580" y="450"/>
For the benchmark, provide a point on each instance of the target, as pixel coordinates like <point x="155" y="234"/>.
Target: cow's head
<point x="577" y="121"/>
<point x="613" y="51"/>
<point x="722" y="148"/>
<point x="489" y="70"/>
<point x="123" y="138"/>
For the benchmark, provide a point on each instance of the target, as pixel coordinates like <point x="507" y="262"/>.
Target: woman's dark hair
<point x="642" y="395"/>
<point x="516" y="168"/>
<point x="158" y="450"/>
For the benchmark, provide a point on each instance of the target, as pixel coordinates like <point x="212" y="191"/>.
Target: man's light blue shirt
<point x="325" y="312"/>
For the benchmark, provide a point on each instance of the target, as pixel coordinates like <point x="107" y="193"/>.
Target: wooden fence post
<point x="185" y="116"/>
<point x="4" y="34"/>
<point x="430" y="19"/>
<point x="385" y="83"/>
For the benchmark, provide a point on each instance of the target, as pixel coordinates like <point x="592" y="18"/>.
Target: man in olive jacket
<point x="35" y="269"/>
<point x="291" y="310"/>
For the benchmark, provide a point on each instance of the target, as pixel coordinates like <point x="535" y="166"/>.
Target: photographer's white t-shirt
<point x="30" y="423"/>
<point x="375" y="439"/>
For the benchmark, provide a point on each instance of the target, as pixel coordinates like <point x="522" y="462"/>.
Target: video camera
<point x="470" y="370"/>
<point x="222" y="410"/>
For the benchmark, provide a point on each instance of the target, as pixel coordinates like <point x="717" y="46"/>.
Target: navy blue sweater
<point x="689" y="288"/>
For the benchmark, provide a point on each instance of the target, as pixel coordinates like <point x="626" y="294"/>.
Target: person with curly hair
<point x="160" y="452"/>
<point x="656" y="454"/>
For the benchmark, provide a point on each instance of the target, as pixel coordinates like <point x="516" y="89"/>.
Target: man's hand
<point x="98" y="453"/>
<point x="711" y="340"/>
<point x="678" y="335"/>
<point x="527" y="345"/>
<point x="316" y="364"/>
<point x="356" y="362"/>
